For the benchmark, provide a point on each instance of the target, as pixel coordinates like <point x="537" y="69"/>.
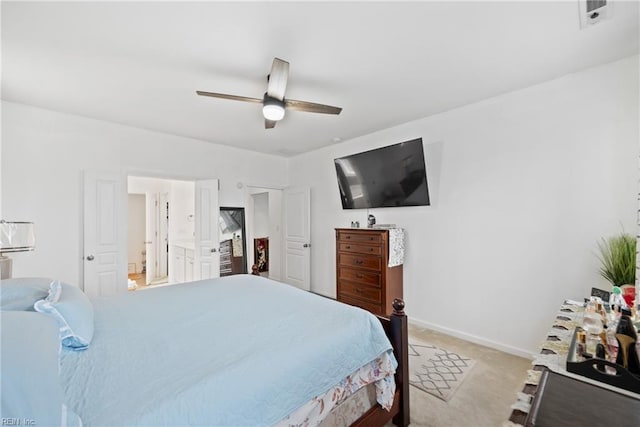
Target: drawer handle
<point x="348" y="247"/>
<point x="358" y="261"/>
<point x="370" y="249"/>
<point x="348" y="237"/>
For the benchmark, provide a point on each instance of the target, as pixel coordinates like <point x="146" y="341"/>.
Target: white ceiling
<point x="385" y="63"/>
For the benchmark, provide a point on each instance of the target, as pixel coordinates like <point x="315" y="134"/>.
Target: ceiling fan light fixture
<point x="272" y="109"/>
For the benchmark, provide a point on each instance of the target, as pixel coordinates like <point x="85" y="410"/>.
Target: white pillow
<point x="73" y="311"/>
<point x="21" y="293"/>
<point x="30" y="386"/>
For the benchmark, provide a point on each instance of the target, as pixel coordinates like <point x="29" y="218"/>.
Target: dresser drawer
<point x="373" y="308"/>
<point x="359" y="291"/>
<point x="359" y="248"/>
<point x="362" y="261"/>
<point x="359" y="237"/>
<point x="360" y="276"/>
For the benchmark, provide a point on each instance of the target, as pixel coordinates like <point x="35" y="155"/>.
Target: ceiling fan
<point x="274" y="102"/>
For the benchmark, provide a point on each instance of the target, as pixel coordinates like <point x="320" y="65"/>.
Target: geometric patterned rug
<point x="435" y="370"/>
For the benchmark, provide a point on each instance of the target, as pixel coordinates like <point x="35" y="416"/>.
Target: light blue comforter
<point x="242" y="350"/>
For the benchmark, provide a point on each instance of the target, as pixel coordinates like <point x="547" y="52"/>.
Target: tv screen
<point x="385" y="177"/>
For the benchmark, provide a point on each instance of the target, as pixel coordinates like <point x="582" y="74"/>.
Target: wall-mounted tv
<point x="390" y="176"/>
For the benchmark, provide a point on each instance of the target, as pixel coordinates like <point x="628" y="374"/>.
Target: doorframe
<point x="250" y="190"/>
<point x="151" y="235"/>
<point x="124" y="174"/>
<point x="127" y="172"/>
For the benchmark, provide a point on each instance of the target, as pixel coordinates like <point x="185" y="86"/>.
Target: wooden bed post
<point x="396" y="329"/>
<point x="400" y="337"/>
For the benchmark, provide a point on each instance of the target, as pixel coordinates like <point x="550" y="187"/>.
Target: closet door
<point x="207" y="210"/>
<point x="297" y="230"/>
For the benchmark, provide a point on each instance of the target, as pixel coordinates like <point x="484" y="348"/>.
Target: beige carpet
<point x="485" y="397"/>
<point x="435" y="370"/>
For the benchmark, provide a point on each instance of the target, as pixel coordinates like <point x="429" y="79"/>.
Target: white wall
<point x="136" y="235"/>
<point x="524" y="185"/>
<point x="45" y="152"/>
<point x="261" y="214"/>
<point x="181" y="202"/>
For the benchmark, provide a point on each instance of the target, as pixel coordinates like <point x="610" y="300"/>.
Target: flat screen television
<point x="390" y="176"/>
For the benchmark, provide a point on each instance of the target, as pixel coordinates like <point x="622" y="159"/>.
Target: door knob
<point x="306" y="245"/>
<point x="214" y="250"/>
<point x="90" y="258"/>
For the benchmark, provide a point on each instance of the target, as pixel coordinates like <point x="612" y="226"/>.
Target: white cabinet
<point x="182" y="263"/>
<point x="178" y="264"/>
<point x="188" y="265"/>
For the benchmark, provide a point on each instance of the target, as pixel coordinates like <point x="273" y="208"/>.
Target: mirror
<point x="233" y="246"/>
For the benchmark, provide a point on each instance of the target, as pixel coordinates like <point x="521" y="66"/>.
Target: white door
<point x="297" y="236"/>
<point x="151" y="242"/>
<point x="104" y="233"/>
<point x="163" y="239"/>
<point x="207" y="246"/>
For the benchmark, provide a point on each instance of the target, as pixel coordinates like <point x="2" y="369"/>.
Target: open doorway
<point x="265" y="235"/>
<point x="136" y="260"/>
<point x="160" y="228"/>
<point x="261" y="232"/>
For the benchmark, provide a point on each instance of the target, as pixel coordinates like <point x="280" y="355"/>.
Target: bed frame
<point x="395" y="326"/>
<point x="397" y="330"/>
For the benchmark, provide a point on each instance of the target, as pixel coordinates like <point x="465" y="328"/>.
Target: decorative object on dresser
<point x="369" y="267"/>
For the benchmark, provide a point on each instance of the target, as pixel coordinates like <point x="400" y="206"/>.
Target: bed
<point x="239" y="350"/>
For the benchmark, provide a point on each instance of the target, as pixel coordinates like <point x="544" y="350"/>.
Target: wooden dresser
<point x="363" y="277"/>
<point x="230" y="263"/>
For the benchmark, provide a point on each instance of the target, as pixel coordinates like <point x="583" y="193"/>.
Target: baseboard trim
<point x="472" y="338"/>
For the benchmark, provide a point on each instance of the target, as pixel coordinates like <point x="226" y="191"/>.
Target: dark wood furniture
<point x="518" y="416"/>
<point x="396" y="328"/>
<point x="363" y="277"/>
<point x="230" y="263"/>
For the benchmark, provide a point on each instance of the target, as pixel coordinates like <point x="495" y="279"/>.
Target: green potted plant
<point x="618" y="257"/>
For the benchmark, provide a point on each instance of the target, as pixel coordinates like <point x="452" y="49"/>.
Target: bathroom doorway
<point x="233" y="241"/>
<point x="160" y="224"/>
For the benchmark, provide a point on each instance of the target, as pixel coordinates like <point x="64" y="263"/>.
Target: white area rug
<point x="435" y="370"/>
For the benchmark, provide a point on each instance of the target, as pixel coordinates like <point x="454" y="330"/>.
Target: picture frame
<point x="261" y="253"/>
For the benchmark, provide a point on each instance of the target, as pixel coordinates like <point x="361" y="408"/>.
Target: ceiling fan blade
<point x="232" y="97"/>
<point x="269" y="124"/>
<point x="278" y="79"/>
<point x="311" y="107"/>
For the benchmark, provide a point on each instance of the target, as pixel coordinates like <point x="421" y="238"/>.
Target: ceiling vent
<point x="594" y="11"/>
